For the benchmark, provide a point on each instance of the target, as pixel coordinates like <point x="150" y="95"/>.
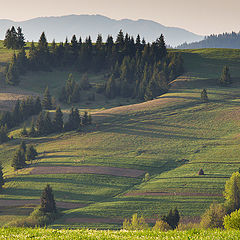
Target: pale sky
<point x="199" y="16"/>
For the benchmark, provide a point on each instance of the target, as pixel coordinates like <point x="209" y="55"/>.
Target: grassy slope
<point x="26" y="233"/>
<point x="153" y="138"/>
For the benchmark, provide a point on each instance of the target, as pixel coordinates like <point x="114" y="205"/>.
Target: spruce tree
<point x="37" y="106"/>
<point x="47" y="100"/>
<point x="58" y="120"/>
<point x="23" y="147"/>
<point x="1" y="177"/>
<point x="18" y="160"/>
<point x="225" y="78"/>
<point x="48" y="127"/>
<point x="204" y="96"/>
<point x="3" y="134"/>
<point x="20" y="41"/>
<point x="12" y="74"/>
<point x="31" y="153"/>
<point x="111" y="89"/>
<point x="24" y="131"/>
<point x="48" y="204"/>
<point x="32" y="131"/>
<point x="40" y="127"/>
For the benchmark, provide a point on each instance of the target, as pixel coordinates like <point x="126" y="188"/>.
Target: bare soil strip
<point x="14" y="203"/>
<point x="172" y="194"/>
<point x="114" y="171"/>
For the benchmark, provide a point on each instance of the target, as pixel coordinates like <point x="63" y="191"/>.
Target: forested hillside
<point x="225" y="40"/>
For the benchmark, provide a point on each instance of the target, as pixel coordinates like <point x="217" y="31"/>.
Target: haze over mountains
<point x="59" y="28"/>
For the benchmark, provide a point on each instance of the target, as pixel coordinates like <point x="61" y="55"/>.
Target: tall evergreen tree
<point x="12" y="74"/>
<point x="58" y="120"/>
<point x="225" y="78"/>
<point x="47" y="100"/>
<point x="40" y="127"/>
<point x="1" y="177"/>
<point x="20" y="41"/>
<point x="48" y="204"/>
<point x="19" y="160"/>
<point x="31" y="153"/>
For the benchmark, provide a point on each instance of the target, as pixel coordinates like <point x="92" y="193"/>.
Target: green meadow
<point x="170" y="138"/>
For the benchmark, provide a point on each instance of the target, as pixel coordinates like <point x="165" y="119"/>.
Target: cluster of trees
<point x="225" y="40"/>
<point x="137" y="69"/>
<point x="71" y="92"/>
<point x="23" y="154"/>
<point x="23" y="109"/>
<point x="14" y="39"/>
<point x="44" y="125"/>
<point x="167" y="222"/>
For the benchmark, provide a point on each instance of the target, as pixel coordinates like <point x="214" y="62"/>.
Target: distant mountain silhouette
<point x="59" y="28"/>
<point x="225" y="40"/>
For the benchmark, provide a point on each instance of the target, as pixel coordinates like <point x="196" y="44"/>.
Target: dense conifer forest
<point x="133" y="67"/>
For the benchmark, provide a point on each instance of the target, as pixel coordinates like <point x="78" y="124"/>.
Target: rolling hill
<point x="98" y="175"/>
<point x="85" y="25"/>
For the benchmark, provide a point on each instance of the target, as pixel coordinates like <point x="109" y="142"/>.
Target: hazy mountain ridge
<point x="59" y="28"/>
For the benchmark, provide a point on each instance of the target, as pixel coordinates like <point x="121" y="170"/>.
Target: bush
<point x="213" y="217"/>
<point x="162" y="226"/>
<point x="135" y="223"/>
<point x="232" y="221"/>
<point x="146" y="177"/>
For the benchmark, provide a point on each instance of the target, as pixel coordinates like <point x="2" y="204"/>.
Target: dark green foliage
<point x="172" y="218"/>
<point x="111" y="89"/>
<point x="74" y="120"/>
<point x="48" y="126"/>
<point x="86" y="119"/>
<point x="58" y="120"/>
<point x="24" y="132"/>
<point x="32" y="131"/>
<point x="19" y="160"/>
<point x="48" y="204"/>
<point x="204" y="96"/>
<point x="3" y="134"/>
<point x="23" y="146"/>
<point x="31" y="153"/>
<point x="85" y="85"/>
<point x="70" y="92"/>
<point x="1" y="177"/>
<point x="40" y="127"/>
<point x="47" y="100"/>
<point x="200" y="172"/>
<point x="12" y="72"/>
<point x="225" y="78"/>
<point x="13" y="39"/>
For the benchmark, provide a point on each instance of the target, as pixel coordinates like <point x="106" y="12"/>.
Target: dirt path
<point x="114" y="171"/>
<point x="172" y="194"/>
<point x="14" y="203"/>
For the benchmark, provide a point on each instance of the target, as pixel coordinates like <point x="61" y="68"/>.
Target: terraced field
<point x="98" y="175"/>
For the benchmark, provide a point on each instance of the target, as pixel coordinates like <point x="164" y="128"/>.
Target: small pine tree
<point x="48" y="204"/>
<point x="204" y="96"/>
<point x="31" y="153"/>
<point x="3" y="134"/>
<point x="1" y="177"/>
<point x="200" y="172"/>
<point x="24" y="131"/>
<point x="32" y="131"/>
<point x="40" y="125"/>
<point x="225" y="78"/>
<point x="18" y="160"/>
<point x="47" y="100"/>
<point x="23" y="147"/>
<point x="58" y="120"/>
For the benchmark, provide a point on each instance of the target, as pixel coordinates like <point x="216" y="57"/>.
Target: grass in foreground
<point x="41" y="233"/>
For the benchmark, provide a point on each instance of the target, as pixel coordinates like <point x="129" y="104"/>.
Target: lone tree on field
<point x="232" y="192"/>
<point x="204" y="96"/>
<point x="19" y="160"/>
<point x="200" y="172"/>
<point x="48" y="204"/>
<point x="225" y="78"/>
